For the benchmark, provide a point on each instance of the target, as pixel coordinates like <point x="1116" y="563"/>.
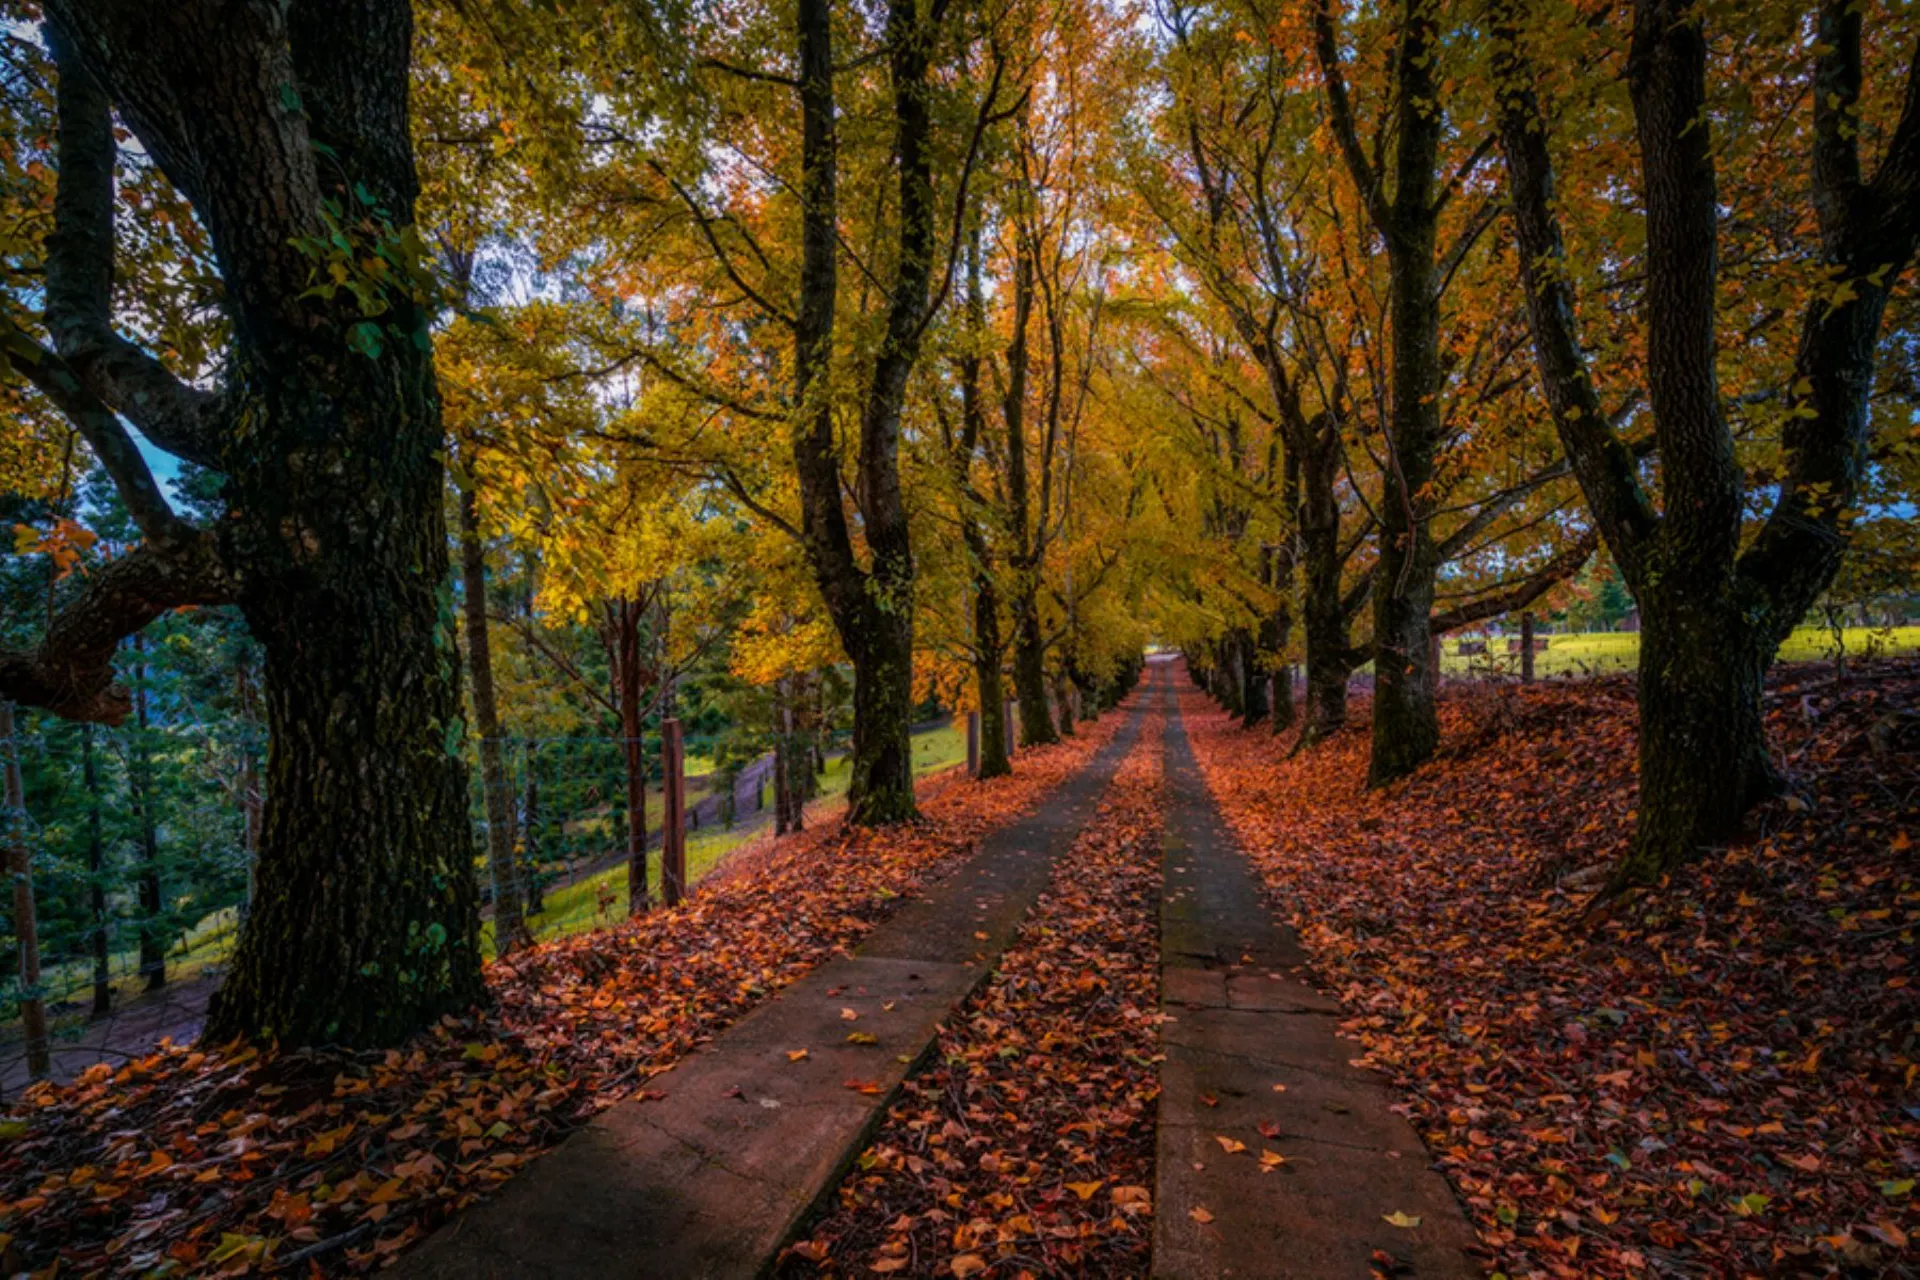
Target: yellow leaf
<point x="1401" y="1219"/>
<point x="1200" y="1215"/>
<point x="1231" y="1146"/>
<point x="796" y="1055"/>
<point x="1084" y="1190"/>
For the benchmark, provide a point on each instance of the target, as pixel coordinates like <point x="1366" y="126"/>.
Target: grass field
<point x="602" y="899"/>
<point x="1609" y="652"/>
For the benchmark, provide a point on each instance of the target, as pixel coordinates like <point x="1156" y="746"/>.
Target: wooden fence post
<point x="26" y="925"/>
<point x="673" y="824"/>
<point x="1526" y="647"/>
<point x="973" y="744"/>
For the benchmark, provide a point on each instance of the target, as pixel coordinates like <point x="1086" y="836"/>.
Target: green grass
<point x="1610" y="652"/>
<point x="601" y="899"/>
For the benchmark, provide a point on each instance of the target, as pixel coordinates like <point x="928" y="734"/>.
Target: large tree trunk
<point x="1406" y="722"/>
<point x="272" y="120"/>
<point x="882" y="752"/>
<point x="1406" y="725"/>
<point x="365" y="924"/>
<point x="1703" y="755"/>
<point x="872" y="608"/>
<point x="509" y="917"/>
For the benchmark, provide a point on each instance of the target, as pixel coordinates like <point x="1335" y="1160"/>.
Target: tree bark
<point x="153" y="943"/>
<point x="529" y="827"/>
<point x="328" y="434"/>
<point x="509" y="916"/>
<point x="98" y="941"/>
<point x="994" y="761"/>
<point x="620" y="633"/>
<point x="1323" y="613"/>
<point x="1285" y="715"/>
<point x="26" y="920"/>
<point x="1030" y="677"/>
<point x="1713" y="616"/>
<point x="1406" y="724"/>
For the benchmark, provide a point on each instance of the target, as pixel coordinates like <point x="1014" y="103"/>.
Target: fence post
<point x="673" y="824"/>
<point x="13" y="829"/>
<point x="973" y="744"/>
<point x="1526" y="647"/>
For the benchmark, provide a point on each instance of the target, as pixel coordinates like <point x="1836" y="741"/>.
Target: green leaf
<point x="1893" y="1190"/>
<point x="365" y="338"/>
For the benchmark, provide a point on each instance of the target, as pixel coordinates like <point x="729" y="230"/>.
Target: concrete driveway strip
<point x="1241" y="1023"/>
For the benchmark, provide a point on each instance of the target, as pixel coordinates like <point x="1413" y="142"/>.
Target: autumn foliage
<point x="1713" y="1080"/>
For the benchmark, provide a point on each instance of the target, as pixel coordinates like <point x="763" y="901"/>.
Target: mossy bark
<point x="365" y="922"/>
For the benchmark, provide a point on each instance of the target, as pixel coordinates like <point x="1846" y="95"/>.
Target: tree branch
<point x="71" y="672"/>
<point x="1520" y="595"/>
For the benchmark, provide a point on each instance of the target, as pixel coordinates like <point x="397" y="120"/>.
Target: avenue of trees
<point x="386" y="381"/>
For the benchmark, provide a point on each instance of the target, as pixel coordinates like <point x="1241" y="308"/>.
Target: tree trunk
<point x="805" y="704"/>
<point x="994" y="761"/>
<point x="1063" y="702"/>
<point x="872" y="608"/>
<point x="881" y="758"/>
<point x="1252" y="679"/>
<point x="365" y="925"/>
<point x="1030" y="677"/>
<point x="1703" y="755"/>
<point x="509" y="917"/>
<point x="529" y="827"/>
<point x="271" y="120"/>
<point x="1323" y="614"/>
<point x="96" y="880"/>
<point x="26" y="920"/>
<point x="153" y="943"/>
<point x="1284" y="714"/>
<point x="624" y="626"/>
<point x="1406" y="723"/>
